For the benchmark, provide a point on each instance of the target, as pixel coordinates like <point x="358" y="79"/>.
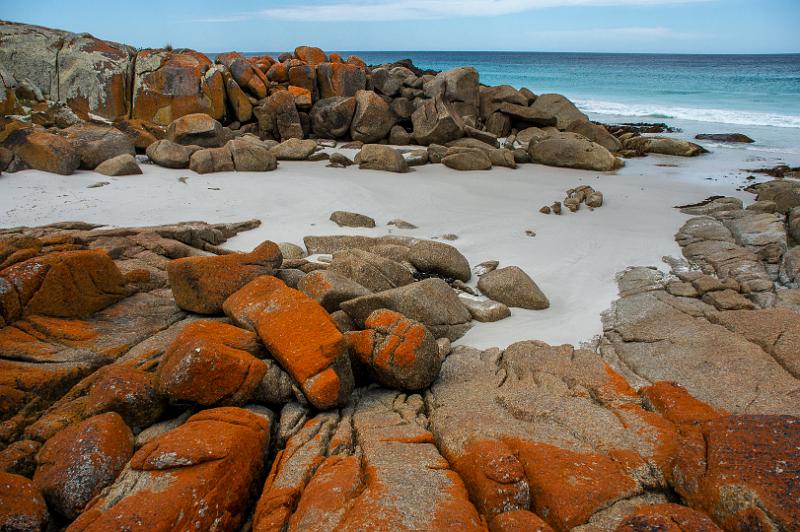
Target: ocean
<point x="758" y="95"/>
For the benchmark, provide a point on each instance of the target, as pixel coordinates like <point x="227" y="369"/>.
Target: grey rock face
<point x="513" y="287"/>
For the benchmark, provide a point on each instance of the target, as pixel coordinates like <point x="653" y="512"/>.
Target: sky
<point x="646" y="26"/>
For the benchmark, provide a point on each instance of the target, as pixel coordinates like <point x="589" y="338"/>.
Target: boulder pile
<point x="142" y="368"/>
<point x="73" y="101"/>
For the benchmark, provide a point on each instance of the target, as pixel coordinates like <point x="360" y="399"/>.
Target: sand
<point x="574" y="257"/>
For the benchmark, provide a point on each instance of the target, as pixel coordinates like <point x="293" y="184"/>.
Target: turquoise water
<point x="753" y="94"/>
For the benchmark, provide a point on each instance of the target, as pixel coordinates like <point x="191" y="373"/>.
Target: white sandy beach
<point x="574" y="257"/>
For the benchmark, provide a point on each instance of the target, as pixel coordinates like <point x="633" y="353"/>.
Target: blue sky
<point x="678" y="26"/>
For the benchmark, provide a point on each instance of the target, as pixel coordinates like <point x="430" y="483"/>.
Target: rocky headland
<point x="153" y="379"/>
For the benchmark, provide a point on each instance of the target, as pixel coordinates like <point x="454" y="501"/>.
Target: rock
<point x="44" y="151"/>
<point x="95" y="143"/>
<point x="339" y="79"/>
<point x="403" y="108"/>
<point x="439" y="258"/>
<point x="278" y="117"/>
<point x="436" y="122"/>
<point x="169" y="84"/>
<point x="460" y="86"/>
<point x="595" y="200"/>
<point x="81" y="460"/>
<point x="398" y="136"/>
<point x="22" y="507"/>
<point x="527" y="115"/>
<point x="130" y="392"/>
<point x="513" y="287"/>
<point x="141" y="133"/>
<point x="725" y="137"/>
<point x="539" y="413"/>
<point x="485" y="310"/>
<point x="492" y="97"/>
<point x="294" y="149"/>
<point x="401" y="224"/>
<point x="573" y="151"/>
<point x="170" y="155"/>
<point x="171" y="482"/>
<point x="485" y="267"/>
<point x="202" y="284"/>
<point x="338" y="160"/>
<point x="351" y="219"/>
<point x="301" y="336"/>
<point x="330" y="289"/>
<point x="331" y="117"/>
<point x="247" y="76"/>
<point x="388" y="81"/>
<point x="310" y="55"/>
<point x="371" y="271"/>
<point x="667" y="516"/>
<point x="499" y="124"/>
<point x="249" y="156"/>
<point x="416" y="157"/>
<point x="713" y="205"/>
<point x="317" y="481"/>
<point x="785" y="194"/>
<point x="665" y="146"/>
<point x="120" y="165"/>
<point x="88" y="74"/>
<point x="597" y="134"/>
<point x="372" y="119"/>
<point x="436" y="153"/>
<point x="561" y="108"/>
<point x="431" y="302"/>
<point x="765" y="206"/>
<point x="19" y="458"/>
<point x="196" y="129"/>
<point x="67" y="284"/>
<point x="401" y="353"/>
<point x="209" y="160"/>
<point x="239" y="101"/>
<point x="467" y="159"/>
<point x="380" y="157"/>
<point x="728" y="300"/>
<point x="212" y="364"/>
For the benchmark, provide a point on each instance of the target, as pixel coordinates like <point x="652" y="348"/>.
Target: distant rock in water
<point x="726" y="137"/>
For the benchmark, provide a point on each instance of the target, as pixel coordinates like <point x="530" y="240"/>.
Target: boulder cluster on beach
<point x="143" y="369"/>
<point x="153" y="379"/>
<point x="74" y="101"/>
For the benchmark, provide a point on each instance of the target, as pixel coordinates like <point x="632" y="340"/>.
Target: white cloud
<point x="394" y="10"/>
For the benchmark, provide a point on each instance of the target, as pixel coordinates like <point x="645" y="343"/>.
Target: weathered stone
<point x="96" y="144"/>
<point x="301" y="336"/>
<point x="81" y="460"/>
<point x="725" y="137"/>
<point x="339" y="79"/>
<point x="130" y="392"/>
<point x="485" y="310"/>
<point x="196" y="129"/>
<point x="169" y="84"/>
<point x="310" y="55"/>
<point x="278" y="117"/>
<point x="380" y="157"/>
<point x="247" y="76"/>
<point x="294" y="149"/>
<point x="170" y="155"/>
<point x="436" y="122"/>
<point x="492" y="97"/>
<point x="401" y="353"/>
<point x="22" y="508"/>
<point x="559" y="107"/>
<point x="120" y="165"/>
<point x="457" y="85"/>
<point x="250" y="156"/>
<point x="331" y="117"/>
<point x="665" y="146"/>
<point x="439" y="258"/>
<point x="467" y="159"/>
<point x="597" y="134"/>
<point x="202" y="284"/>
<point x="370" y="270"/>
<point x="372" y="119"/>
<point x="527" y="115"/>
<point x="573" y="151"/>
<point x="431" y="302"/>
<point x="351" y="219"/>
<point x="44" y="151"/>
<point x="209" y="160"/>
<point x="513" y="287"/>
<point x="174" y="481"/>
<point x="212" y="364"/>
<point x="330" y="288"/>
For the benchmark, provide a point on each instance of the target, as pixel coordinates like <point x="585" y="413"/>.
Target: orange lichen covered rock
<point x="212" y="363"/>
<point x="677" y="405"/>
<point x="247" y="76"/>
<point x="743" y="471"/>
<point x="667" y="518"/>
<point x="198" y="476"/>
<point x="16" y="250"/>
<point x="22" y="507"/>
<point x="67" y="284"/>
<point x="44" y="151"/>
<point x="169" y="84"/>
<point x="340" y="79"/>
<point x="518" y="521"/>
<point x="310" y="55"/>
<point x="400" y="353"/>
<point x="81" y="460"/>
<point x="130" y="392"/>
<point x="299" y="334"/>
<point x="202" y="284"/>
